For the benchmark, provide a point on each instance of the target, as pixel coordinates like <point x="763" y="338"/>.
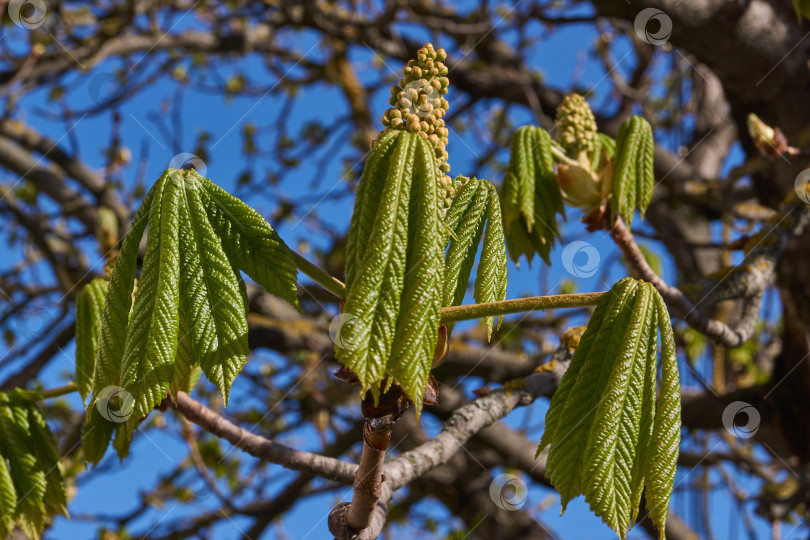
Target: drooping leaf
<point x="48" y="457"/>
<point x="546" y="191"/>
<point x="97" y="431"/>
<point x="31" y="486"/>
<point x="613" y="442"/>
<point x="210" y="297"/>
<point x="186" y="370"/>
<point x="624" y="170"/>
<point x="633" y="177"/>
<point x="366" y="203"/>
<point x="198" y="239"/>
<point x="374" y="294"/>
<point x="531" y="196"/>
<point x="250" y="243"/>
<point x="647" y="420"/>
<point x="461" y="204"/>
<point x="475" y="209"/>
<point x="662" y="460"/>
<point x="490" y="281"/>
<point x="419" y="317"/>
<point x="118" y="301"/>
<point x="8" y="498"/>
<point x="566" y="457"/>
<point x="147" y="365"/>
<point x="567" y="383"/>
<point x="646" y="173"/>
<point x="468" y="229"/>
<point x="608" y="437"/>
<point x="89" y="310"/>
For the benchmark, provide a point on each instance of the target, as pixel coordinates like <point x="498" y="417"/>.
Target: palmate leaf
<point x="211" y="303"/>
<point x="89" y="310"/>
<point x="31" y="485"/>
<point x="395" y="269"/>
<point x="565" y="461"/>
<point x="633" y="176"/>
<point x="189" y="312"/>
<point x="614" y="439"/>
<point x="608" y="438"/>
<point x="531" y="197"/>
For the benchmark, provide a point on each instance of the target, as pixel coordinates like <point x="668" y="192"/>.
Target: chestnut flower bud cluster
<point x="418" y="105"/>
<point x="576" y="125"/>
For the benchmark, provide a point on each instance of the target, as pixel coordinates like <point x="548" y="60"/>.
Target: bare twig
<point x="262" y="448"/>
<point x="747" y="280"/>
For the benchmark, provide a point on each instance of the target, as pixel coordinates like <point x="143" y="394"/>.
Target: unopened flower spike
<point x="576" y="126"/>
<point x="419" y="107"/>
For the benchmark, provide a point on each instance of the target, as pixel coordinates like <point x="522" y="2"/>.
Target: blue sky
<point x="561" y="57"/>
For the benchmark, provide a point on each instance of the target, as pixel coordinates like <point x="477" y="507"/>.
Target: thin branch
<point x="320" y="276"/>
<point x="368" y="478"/>
<point x="747" y="280"/>
<point x="468" y="312"/>
<point x="49" y="393"/>
<point x="519" y="305"/>
<point x="262" y="448"/>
